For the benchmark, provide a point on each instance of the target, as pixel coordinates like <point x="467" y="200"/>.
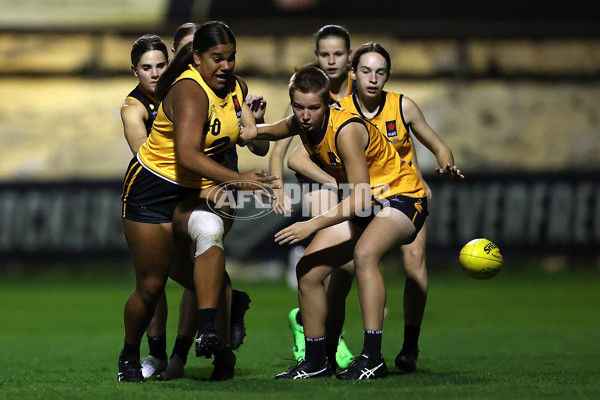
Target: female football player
<point x="332" y="53"/>
<point x="395" y="115"/>
<point x="149" y="59"/>
<point x="198" y="119"/>
<point x="384" y="202"/>
<point x="156" y="362"/>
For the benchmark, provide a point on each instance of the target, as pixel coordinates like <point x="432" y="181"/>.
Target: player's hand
<point x="258" y="182"/>
<point x="283" y="204"/>
<point x="247" y="134"/>
<point x="257" y="105"/>
<point x="449" y="172"/>
<point x="294" y="233"/>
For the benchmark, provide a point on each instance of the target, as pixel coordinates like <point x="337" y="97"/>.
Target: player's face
<point x="370" y="75"/>
<point x="186" y="39"/>
<point x="333" y="57"/>
<point x="151" y="66"/>
<point x="309" y="110"/>
<point x="216" y="65"/>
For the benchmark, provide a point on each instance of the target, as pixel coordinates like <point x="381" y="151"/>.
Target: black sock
<point x="237" y="312"/>
<point x="411" y="337"/>
<point x="315" y="350"/>
<point x="222" y="353"/>
<point x="130" y="351"/>
<point x="182" y="347"/>
<point x="331" y="350"/>
<point x="299" y="319"/>
<point x="372" y="344"/>
<point x="206" y="319"/>
<point x="158" y="346"/>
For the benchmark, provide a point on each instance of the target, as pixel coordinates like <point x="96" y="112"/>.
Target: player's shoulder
<point x="131" y="106"/>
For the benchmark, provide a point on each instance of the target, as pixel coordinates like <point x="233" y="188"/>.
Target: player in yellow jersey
<point x="185" y="152"/>
<point x="157" y="362"/>
<point x="384" y="205"/>
<point x="149" y="59"/>
<point x="332" y="54"/>
<point x="396" y="116"/>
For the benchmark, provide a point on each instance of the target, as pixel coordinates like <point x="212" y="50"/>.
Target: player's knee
<point x="307" y="278"/>
<point x="364" y="259"/>
<point x="150" y="289"/>
<point x="206" y="230"/>
<point x="414" y="260"/>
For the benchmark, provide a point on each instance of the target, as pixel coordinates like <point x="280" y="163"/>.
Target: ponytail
<point x="180" y="63"/>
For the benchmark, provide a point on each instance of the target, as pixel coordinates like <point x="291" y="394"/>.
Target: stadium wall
<point x="536" y="214"/>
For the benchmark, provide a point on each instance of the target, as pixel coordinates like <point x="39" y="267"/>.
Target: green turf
<point x="521" y="335"/>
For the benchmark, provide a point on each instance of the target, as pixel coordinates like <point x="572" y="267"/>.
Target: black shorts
<point x="146" y="197"/>
<point x="415" y="208"/>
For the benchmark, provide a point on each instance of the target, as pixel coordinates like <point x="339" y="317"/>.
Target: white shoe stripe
<point x="367" y="373"/>
<point x="304" y="374"/>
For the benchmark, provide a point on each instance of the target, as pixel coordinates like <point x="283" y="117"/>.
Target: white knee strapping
<point x="206" y="230"/>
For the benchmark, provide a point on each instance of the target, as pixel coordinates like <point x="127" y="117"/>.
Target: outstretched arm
<point x="351" y="142"/>
<point x="284" y="203"/>
<point x="300" y="162"/>
<point x="426" y="135"/>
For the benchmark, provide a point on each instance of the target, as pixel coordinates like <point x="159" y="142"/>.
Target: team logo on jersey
<point x="236" y="104"/>
<point x="333" y="159"/>
<point x="390" y="127"/>
<point x="154" y="112"/>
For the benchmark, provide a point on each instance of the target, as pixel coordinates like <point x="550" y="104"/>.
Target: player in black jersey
<point x="149" y="59"/>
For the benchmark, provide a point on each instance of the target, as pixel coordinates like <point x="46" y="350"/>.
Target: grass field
<point x="524" y="334"/>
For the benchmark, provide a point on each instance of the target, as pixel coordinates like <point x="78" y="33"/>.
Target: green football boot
<point x="298" y="334"/>
<point x="343" y="356"/>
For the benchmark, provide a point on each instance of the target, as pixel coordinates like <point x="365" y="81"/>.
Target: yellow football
<point x="481" y="259"/>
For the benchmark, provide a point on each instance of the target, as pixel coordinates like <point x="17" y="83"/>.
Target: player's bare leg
<point x="415" y="298"/>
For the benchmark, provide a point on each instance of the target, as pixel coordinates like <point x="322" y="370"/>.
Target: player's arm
<point x="187" y="104"/>
<point x="247" y="119"/>
<point x="258" y="105"/>
<point x="284" y="203"/>
<point x="134" y="129"/>
<point x="300" y="162"/>
<point x="278" y="130"/>
<point x="259" y="147"/>
<point x="351" y="143"/>
<point x="425" y="134"/>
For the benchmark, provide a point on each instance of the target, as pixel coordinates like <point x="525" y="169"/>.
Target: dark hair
<point x="371" y="47"/>
<point x="184" y="30"/>
<point x="147" y="43"/>
<point x="332" y="31"/>
<point x="310" y="79"/>
<point x="182" y="59"/>
<point x="212" y="33"/>
<point x="209" y="34"/>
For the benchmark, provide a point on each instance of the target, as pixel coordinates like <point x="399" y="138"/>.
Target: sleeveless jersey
<point x="221" y="130"/>
<point x="149" y="103"/>
<point x="389" y="120"/>
<point x="386" y="167"/>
